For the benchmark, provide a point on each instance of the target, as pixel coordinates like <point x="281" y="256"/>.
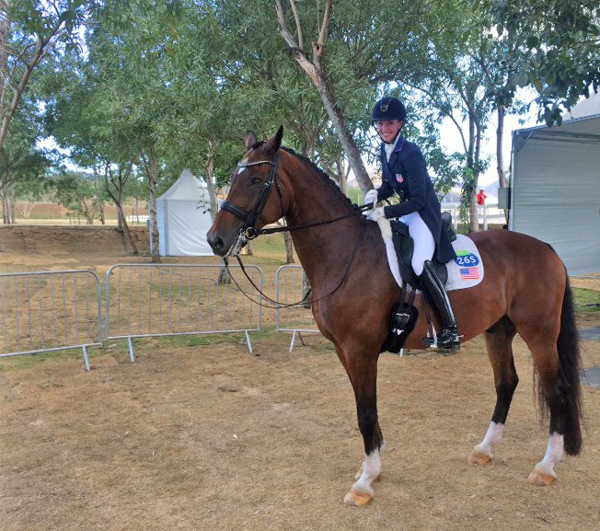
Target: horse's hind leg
<point x="555" y="351"/>
<point x="499" y="346"/>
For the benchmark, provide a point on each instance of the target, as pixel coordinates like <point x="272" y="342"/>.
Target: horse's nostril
<point x="217" y="244"/>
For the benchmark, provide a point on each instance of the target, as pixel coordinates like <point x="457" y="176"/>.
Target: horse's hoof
<point x="478" y="458"/>
<point x="541" y="479"/>
<point x="356" y="498"/>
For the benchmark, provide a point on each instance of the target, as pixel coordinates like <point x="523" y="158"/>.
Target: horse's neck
<point x="323" y="250"/>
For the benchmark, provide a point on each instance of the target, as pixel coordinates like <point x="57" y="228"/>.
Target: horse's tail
<point x="569" y="374"/>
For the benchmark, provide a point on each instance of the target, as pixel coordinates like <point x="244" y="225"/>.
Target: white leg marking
<point x="554" y="453"/>
<point x="371" y="471"/>
<point x="492" y="437"/>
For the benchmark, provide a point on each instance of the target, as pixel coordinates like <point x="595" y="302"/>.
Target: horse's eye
<point x="257" y="180"/>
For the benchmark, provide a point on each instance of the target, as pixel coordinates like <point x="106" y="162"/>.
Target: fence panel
<point x="145" y="300"/>
<point x="291" y="286"/>
<point x="46" y="311"/>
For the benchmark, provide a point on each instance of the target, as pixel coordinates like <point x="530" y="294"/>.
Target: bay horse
<point x="525" y="290"/>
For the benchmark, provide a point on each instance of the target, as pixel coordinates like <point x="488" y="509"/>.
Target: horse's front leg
<point x="362" y="370"/>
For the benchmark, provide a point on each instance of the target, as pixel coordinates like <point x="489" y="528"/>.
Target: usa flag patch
<point x="399" y="178"/>
<point x="467" y="273"/>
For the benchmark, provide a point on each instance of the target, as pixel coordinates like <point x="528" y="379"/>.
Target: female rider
<point x="405" y="173"/>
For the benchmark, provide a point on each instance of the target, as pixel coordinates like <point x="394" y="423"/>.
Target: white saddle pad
<point x="465" y="271"/>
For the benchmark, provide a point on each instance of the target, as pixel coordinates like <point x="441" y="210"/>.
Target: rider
<point x="405" y="173"/>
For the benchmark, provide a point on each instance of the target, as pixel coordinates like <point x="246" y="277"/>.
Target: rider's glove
<point x="376" y="214"/>
<point x="371" y="197"/>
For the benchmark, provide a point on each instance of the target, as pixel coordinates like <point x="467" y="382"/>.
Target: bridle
<point x="248" y="230"/>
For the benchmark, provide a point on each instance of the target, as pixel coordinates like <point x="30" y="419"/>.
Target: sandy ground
<point x="210" y="437"/>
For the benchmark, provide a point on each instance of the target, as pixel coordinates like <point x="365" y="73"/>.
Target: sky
<point x="451" y="142"/>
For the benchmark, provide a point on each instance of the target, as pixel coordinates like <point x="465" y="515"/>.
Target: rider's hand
<point x="371" y="197"/>
<point x="376" y="214"/>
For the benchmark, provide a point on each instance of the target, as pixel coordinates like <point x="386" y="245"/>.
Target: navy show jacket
<point x="406" y="174"/>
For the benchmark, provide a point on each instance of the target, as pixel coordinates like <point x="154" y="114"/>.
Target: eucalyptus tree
<point x="75" y="191"/>
<point x="83" y="116"/>
<point x="20" y="157"/>
<point x="559" y="53"/>
<point x="128" y="43"/>
<point x="347" y="56"/>
<point x="29" y="31"/>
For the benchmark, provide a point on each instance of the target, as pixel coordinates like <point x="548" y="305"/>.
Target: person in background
<point x="405" y="173"/>
<point x="481" y="197"/>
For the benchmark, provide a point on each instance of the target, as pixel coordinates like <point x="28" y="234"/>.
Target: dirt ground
<point x="211" y="437"/>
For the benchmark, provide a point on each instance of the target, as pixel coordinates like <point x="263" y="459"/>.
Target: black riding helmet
<point x="388" y="108"/>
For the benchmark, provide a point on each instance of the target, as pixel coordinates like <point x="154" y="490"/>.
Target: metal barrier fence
<point x="178" y="299"/>
<point x="49" y="311"/>
<point x="291" y="286"/>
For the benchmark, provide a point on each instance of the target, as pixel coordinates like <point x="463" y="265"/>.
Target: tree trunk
<point x="474" y="213"/>
<point x="502" y="181"/>
<point x="13" y="218"/>
<point x="99" y="199"/>
<point x="343" y="175"/>
<point x="127" y="237"/>
<point x="152" y="178"/>
<point x="210" y="181"/>
<point x="306" y="289"/>
<point x="289" y="248"/>
<point x="5" y="217"/>
<point x="87" y="212"/>
<point x="223" y="277"/>
<point x="319" y="78"/>
<point x="350" y="147"/>
<point x="473" y="177"/>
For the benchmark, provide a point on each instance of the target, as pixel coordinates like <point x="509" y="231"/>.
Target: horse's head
<point x="255" y="199"/>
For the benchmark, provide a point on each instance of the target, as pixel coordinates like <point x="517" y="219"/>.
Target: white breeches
<point x="424" y="242"/>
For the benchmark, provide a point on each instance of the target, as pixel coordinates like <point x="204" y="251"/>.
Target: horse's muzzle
<point x="217" y="244"/>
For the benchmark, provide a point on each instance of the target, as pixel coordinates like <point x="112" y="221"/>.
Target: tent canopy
<point x="555" y="192"/>
<point x="184" y="219"/>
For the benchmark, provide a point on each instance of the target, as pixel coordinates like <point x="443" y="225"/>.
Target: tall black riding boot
<point x="436" y="294"/>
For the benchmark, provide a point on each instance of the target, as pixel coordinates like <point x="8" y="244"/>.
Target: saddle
<point x="405" y="246"/>
<point x="404" y="314"/>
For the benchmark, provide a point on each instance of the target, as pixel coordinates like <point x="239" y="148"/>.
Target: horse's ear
<point x="250" y="139"/>
<point x="274" y="144"/>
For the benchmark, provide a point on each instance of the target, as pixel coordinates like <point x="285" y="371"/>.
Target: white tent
<point x="555" y="191"/>
<point x="183" y="218"/>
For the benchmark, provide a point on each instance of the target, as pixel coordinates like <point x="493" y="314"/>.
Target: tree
<point x="559" y="53"/>
<point x="315" y="70"/>
<point x="75" y="191"/>
<point x="28" y="32"/>
<point x="116" y="177"/>
<point x="20" y="158"/>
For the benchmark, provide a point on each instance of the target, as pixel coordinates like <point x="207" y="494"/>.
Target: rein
<point x="277" y="304"/>
<point x="248" y="231"/>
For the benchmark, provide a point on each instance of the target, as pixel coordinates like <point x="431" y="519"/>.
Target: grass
<point x="586" y="300"/>
<point x="120" y="349"/>
<point x="26" y="361"/>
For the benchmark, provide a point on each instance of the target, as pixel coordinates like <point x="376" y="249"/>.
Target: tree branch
<point x="298" y="26"/>
<point x="320" y="44"/>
